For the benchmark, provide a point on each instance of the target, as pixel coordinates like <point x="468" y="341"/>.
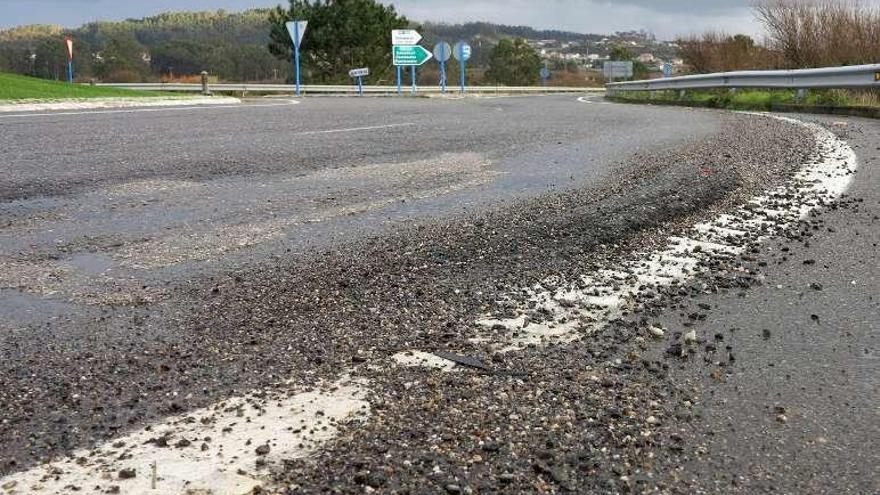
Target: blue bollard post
<point x="462" y="75"/>
<point x="296" y="58"/>
<point x="414" y="86"/>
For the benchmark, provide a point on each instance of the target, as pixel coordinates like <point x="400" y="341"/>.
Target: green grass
<point x="14" y="87"/>
<point x="744" y="99"/>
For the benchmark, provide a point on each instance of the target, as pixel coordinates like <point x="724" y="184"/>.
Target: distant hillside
<point x="230" y="45"/>
<point x="494" y="32"/>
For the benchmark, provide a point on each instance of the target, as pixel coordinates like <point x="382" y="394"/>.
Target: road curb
<point x="113" y="103"/>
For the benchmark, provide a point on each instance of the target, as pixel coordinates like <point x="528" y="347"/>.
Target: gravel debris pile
<point x="594" y="414"/>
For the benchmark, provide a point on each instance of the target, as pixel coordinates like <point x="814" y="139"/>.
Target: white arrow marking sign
<point x="405" y="37"/>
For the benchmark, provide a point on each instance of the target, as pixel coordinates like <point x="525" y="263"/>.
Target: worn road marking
<point x="146" y="110"/>
<point x="354" y="129"/>
<point x="567" y="313"/>
<point x="226" y="449"/>
<point x="560" y="313"/>
<point x="591" y="100"/>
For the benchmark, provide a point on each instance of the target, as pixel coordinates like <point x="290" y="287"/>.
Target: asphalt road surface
<point x="492" y="295"/>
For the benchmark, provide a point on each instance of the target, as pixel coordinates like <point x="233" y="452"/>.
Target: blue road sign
<point x="442" y="52"/>
<point x="462" y="52"/>
<point x="297" y="30"/>
<point x="667" y="70"/>
<point x="359" y="75"/>
<point x="545" y="73"/>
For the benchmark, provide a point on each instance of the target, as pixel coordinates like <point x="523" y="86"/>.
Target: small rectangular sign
<point x="618" y="70"/>
<point x="359" y="72"/>
<point x="405" y="37"/>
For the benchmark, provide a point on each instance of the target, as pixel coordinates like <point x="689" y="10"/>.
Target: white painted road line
<point x="580" y="311"/>
<point x="226" y="449"/>
<point x="354" y="129"/>
<point x="146" y="110"/>
<point x="570" y="312"/>
<point x="590" y="100"/>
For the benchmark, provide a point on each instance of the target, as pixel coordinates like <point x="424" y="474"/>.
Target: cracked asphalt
<point x="154" y="263"/>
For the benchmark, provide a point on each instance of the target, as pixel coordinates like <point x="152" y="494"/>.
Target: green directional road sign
<point x="410" y="55"/>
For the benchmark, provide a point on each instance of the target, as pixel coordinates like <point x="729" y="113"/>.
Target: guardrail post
<point x="205" y="90"/>
<point x="681" y="94"/>
<point x="801" y="94"/>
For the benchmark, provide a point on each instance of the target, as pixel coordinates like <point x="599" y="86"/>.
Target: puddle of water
<point x="91" y="264"/>
<point x="29" y="309"/>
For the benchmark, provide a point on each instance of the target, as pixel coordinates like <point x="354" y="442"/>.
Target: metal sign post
<point x="68" y="43"/>
<point x="462" y="52"/>
<point x="358" y="75"/>
<point x="442" y="52"/>
<point x="406" y="53"/>
<point x="545" y="75"/>
<point x="297" y="30"/>
<point x="415" y="88"/>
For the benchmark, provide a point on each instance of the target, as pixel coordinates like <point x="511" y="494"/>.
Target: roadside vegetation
<point x="14" y="87"/>
<point x="758" y="100"/>
<point x="800" y="35"/>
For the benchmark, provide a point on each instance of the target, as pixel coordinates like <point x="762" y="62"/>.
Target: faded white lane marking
<point x="419" y="359"/>
<point x="354" y="129"/>
<point x="556" y="313"/>
<point x="567" y="313"/>
<point x="181" y="108"/>
<point x="591" y="100"/>
<point x="212" y="450"/>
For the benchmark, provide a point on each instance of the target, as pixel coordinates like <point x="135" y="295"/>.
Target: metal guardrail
<point x="338" y="89"/>
<point x="856" y="76"/>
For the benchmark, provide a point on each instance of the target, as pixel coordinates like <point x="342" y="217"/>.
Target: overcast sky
<point x="666" y="18"/>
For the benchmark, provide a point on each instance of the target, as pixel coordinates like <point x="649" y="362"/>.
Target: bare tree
<point x="718" y="52"/>
<point x="816" y="33"/>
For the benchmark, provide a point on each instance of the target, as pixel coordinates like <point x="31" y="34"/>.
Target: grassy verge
<point x="15" y="87"/>
<point x="760" y="100"/>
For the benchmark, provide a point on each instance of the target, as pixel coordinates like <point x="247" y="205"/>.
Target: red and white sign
<point x="68" y="42"/>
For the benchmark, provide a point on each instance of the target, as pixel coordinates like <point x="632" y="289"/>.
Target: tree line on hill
<point x="252" y="45"/>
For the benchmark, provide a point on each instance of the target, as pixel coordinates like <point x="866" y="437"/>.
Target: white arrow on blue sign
<point x="462" y="51"/>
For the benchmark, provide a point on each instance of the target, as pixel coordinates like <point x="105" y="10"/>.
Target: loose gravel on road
<point x="590" y="415"/>
<point x="393" y="356"/>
